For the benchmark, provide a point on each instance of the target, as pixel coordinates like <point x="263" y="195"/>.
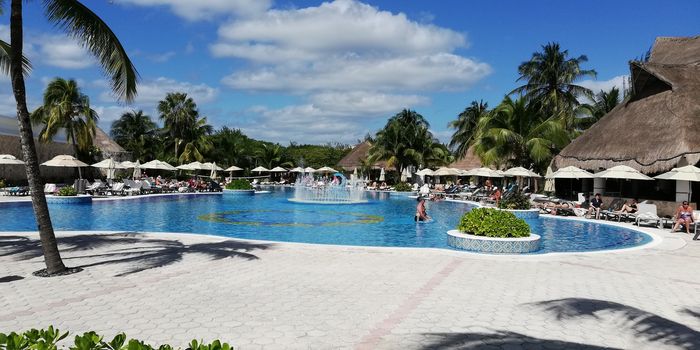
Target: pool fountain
<point x="337" y="191"/>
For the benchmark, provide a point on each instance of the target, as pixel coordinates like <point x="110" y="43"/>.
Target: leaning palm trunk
<point x="52" y="257"/>
<point x="75" y="150"/>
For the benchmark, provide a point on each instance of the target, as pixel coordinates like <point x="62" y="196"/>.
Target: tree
<point x="196" y="140"/>
<point x="516" y="133"/>
<point x="85" y="26"/>
<point x="270" y="156"/>
<point x="179" y="113"/>
<point x="603" y="102"/>
<point x="137" y="133"/>
<point x="550" y="78"/>
<point x="465" y="127"/>
<point x="66" y="108"/>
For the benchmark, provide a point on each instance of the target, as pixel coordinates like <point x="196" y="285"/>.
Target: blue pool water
<point x="385" y="221"/>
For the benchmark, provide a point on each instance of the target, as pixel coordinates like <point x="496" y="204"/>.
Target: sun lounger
<point x="50" y="188"/>
<point x="647" y="214"/>
<point x="134" y="187"/>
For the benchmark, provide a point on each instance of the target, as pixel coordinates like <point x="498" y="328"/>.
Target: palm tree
<point x="515" y="133"/>
<point x="85" y="26"/>
<point x="196" y="140"/>
<point x="465" y="127"/>
<point x="270" y="155"/>
<point x="179" y="113"/>
<point x="66" y="108"/>
<point x="550" y="78"/>
<point x="603" y="102"/>
<point x="136" y="132"/>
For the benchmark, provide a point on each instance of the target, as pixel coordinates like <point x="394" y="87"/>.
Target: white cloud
<point x="63" y="52"/>
<point x="195" y="10"/>
<point x="108" y="114"/>
<point x="605" y="85"/>
<point x="442" y="71"/>
<point x="150" y="92"/>
<point x="161" y="57"/>
<point x="328" y="117"/>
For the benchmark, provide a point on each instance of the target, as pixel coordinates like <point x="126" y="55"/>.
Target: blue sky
<point x="317" y="72"/>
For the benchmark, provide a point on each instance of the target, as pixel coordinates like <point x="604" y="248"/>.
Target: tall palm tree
<point x="516" y="133"/>
<point x="85" y="26"/>
<point x="66" y="108"/>
<point x="136" y="132"/>
<point x="550" y="78"/>
<point x="196" y="140"/>
<point x="179" y="113"/>
<point x="465" y="127"/>
<point x="603" y="102"/>
<point x="270" y="156"/>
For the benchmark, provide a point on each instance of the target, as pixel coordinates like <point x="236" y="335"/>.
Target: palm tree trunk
<point x="52" y="257"/>
<point x="75" y="150"/>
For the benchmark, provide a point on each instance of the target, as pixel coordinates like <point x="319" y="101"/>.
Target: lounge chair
<point x="50" y="188"/>
<point x="647" y="214"/>
<point x="609" y="212"/>
<point x="94" y="187"/>
<point x="117" y="189"/>
<point x="134" y="187"/>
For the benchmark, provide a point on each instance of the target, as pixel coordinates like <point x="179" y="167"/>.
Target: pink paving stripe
<point x="410" y="304"/>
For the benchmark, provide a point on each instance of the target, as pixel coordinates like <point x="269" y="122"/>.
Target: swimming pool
<point x="386" y="221"/>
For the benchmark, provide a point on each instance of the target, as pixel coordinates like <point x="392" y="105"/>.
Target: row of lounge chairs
<point x="14" y="191"/>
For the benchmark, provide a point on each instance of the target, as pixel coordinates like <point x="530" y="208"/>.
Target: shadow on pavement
<point x="499" y="340"/>
<point x="12" y="278"/>
<point x="643" y="324"/>
<point x="139" y="253"/>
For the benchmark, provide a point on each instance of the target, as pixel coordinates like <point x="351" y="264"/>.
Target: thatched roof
<point x="469" y="161"/>
<point x="353" y="159"/>
<point x="658" y="126"/>
<point x="106" y="144"/>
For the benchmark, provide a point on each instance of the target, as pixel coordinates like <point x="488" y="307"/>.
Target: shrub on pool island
<point x="240" y="184"/>
<point x="490" y="222"/>
<point x="47" y="339"/>
<point x="517" y="201"/>
<point x="402" y="187"/>
<point x="67" y="191"/>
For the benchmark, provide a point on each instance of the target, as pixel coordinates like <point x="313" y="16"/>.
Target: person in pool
<point x="684" y="216"/>
<point x="421" y="214"/>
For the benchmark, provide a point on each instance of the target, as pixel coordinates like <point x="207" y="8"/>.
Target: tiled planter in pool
<point x="525" y="214"/>
<point x="240" y="192"/>
<point x="81" y="198"/>
<point x="482" y="244"/>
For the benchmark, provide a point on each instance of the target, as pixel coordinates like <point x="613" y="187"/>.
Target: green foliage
<point x="239" y="184"/>
<point x="47" y="339"/>
<point x="516" y="201"/>
<point x="138" y="134"/>
<point x="402" y="187"/>
<point x="493" y="223"/>
<point x="315" y="156"/>
<point x="67" y="191"/>
<point x="2" y="183"/>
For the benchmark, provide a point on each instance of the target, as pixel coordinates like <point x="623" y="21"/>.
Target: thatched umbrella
<point x="6" y="159"/>
<point x="66" y="161"/>
<point x="687" y="173"/>
<point x="654" y="128"/>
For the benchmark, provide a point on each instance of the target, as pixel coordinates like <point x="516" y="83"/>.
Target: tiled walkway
<point x="172" y="288"/>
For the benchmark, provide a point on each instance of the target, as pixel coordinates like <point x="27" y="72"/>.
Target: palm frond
<point x="5" y="50"/>
<point x="92" y="32"/>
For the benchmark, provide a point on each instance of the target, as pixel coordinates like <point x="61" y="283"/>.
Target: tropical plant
<point x="94" y="34"/>
<point x="515" y="201"/>
<point x="402" y="187"/>
<point x="67" y="191"/>
<point x="239" y="184"/>
<point x="49" y="339"/>
<point x="270" y="156"/>
<point x="516" y="134"/>
<point x="178" y="113"/>
<point x="66" y="108"/>
<point x="603" y="102"/>
<point x="465" y="127"/>
<point x="136" y="133"/>
<point x="196" y="140"/>
<point x="550" y="77"/>
<point x="491" y="222"/>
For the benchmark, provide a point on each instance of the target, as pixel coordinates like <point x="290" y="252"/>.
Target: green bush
<point x="516" y="201"/>
<point x="47" y="339"/>
<point x="2" y="183"/>
<point x="67" y="191"/>
<point x="240" y="184"/>
<point x="402" y="187"/>
<point x="493" y="223"/>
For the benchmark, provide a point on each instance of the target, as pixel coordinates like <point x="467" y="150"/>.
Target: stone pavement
<point x="173" y="288"/>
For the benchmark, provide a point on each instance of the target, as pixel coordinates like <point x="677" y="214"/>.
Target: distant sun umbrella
<point x="66" y="161"/>
<point x="158" y="165"/>
<point x="260" y="169"/>
<point x="381" y="175"/>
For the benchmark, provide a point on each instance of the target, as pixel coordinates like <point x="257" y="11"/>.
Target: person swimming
<point x="421" y="214"/>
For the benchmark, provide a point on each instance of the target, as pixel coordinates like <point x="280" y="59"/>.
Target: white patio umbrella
<point x="381" y="175"/>
<point x="446" y="172"/>
<point x="686" y="173"/>
<point x="158" y="165"/>
<point x="66" y="161"/>
<point x="517" y="172"/>
<point x="260" y="169"/>
<point x="570" y="172"/>
<point x="137" y="170"/>
<point x="127" y="164"/>
<point x="483" y="172"/>
<point x="233" y="168"/>
<point x="404" y="174"/>
<point x="7" y="159"/>
<point x="191" y="166"/>
<point x="326" y="169"/>
<point x="309" y="170"/>
<point x="213" y="170"/>
<point x="110" y="165"/>
<point x="210" y="166"/>
<point x="278" y="169"/>
<point x="424" y="172"/>
<point x="622" y="172"/>
<point x="297" y="170"/>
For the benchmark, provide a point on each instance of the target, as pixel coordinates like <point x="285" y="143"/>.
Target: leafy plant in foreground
<point x="490" y="222"/>
<point x="402" y="187"/>
<point x="239" y="184"/>
<point x="67" y="191"/>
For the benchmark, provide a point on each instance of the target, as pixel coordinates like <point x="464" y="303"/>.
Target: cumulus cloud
<point x="63" y="52"/>
<point x="196" y="10"/>
<point x="328" y="117"/>
<point x="152" y="91"/>
<point x="109" y="114"/>
<point x="605" y="85"/>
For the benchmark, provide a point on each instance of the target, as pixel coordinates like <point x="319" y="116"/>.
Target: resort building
<point x="656" y="128"/>
<point x="10" y="144"/>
